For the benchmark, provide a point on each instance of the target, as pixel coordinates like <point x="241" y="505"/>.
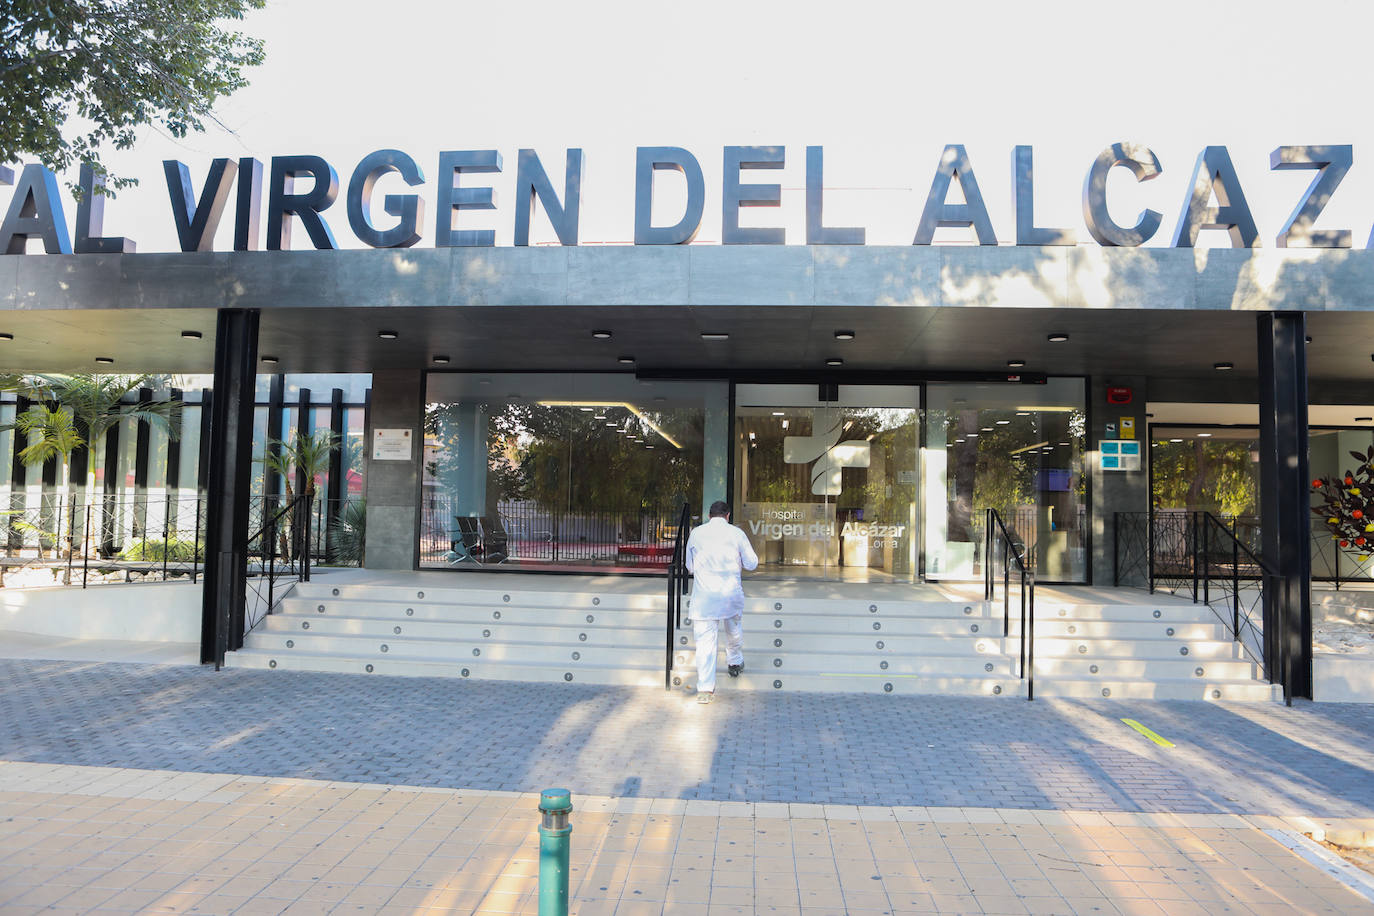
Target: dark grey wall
<point x="1115" y="491"/>
<point x="392" y="487"/>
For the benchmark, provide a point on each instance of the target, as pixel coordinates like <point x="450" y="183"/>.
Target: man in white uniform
<point x="716" y="552"/>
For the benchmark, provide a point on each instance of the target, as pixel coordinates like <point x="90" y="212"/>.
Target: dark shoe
<point x="734" y="670"/>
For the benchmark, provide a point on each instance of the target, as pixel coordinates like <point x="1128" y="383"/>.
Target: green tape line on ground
<point x="1162" y="742"/>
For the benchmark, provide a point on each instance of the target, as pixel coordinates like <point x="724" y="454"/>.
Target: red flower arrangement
<point x="1345" y="501"/>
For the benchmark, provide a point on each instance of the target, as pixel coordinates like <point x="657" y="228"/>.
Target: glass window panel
<point x="1018" y="449"/>
<point x="571" y="471"/>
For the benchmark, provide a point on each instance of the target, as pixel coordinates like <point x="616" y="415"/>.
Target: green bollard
<point x="554" y="845"/>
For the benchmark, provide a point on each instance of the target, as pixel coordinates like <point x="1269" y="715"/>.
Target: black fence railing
<point x="526" y="532"/>
<point x="1233" y="577"/>
<point x="97" y="538"/>
<point x="1013" y="552"/>
<point x="1213" y="560"/>
<point x="277" y="551"/>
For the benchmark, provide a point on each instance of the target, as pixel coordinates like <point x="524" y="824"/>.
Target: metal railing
<point x="1013" y="550"/>
<point x="1213" y="560"/>
<point x="1225" y="564"/>
<point x="277" y="549"/>
<point x="101" y="538"/>
<point x="677" y="588"/>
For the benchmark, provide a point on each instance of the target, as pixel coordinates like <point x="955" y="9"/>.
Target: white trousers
<point x="707" y="636"/>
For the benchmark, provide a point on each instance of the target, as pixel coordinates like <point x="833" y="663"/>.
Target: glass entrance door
<point x="828" y="488"/>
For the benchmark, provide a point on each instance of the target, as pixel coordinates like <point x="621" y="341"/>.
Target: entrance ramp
<point x="800" y="635"/>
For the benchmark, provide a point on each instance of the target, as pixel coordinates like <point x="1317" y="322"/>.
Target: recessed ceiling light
<point x="585" y="409"/>
<point x="600" y="416"/>
<point x="611" y="425"/>
<point x="1057" y="337"/>
<point x="714" y="335"/>
<point x="958" y="441"/>
<point x="1023" y="413"/>
<point x="269" y="359"/>
<point x="834" y="361"/>
<point x="987" y="429"/>
<point x="1063" y="443"/>
<point x="1003" y="422"/>
<point x="648" y="446"/>
<point x="971" y="435"/>
<point x="441" y="360"/>
<point x="192" y="335"/>
<point x="1204" y="435"/>
<point x="844" y="335"/>
<point x="105" y="360"/>
<point x="1016" y="363"/>
<point x="779" y="413"/>
<point x="627" y="360"/>
<point x="1223" y="367"/>
<point x="1175" y="440"/>
<point x="388" y="335"/>
<point x="602" y="335"/>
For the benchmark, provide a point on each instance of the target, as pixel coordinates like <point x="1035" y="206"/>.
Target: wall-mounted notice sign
<point x="1128" y="427"/>
<point x="391" y="444"/>
<point x="1119" y="454"/>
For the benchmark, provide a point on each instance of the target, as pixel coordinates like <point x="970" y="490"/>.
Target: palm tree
<point x="305" y="455"/>
<point x="73" y="412"/>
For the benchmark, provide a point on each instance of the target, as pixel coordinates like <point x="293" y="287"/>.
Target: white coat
<point x="716" y="553"/>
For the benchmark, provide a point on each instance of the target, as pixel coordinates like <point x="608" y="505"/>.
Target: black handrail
<point x="1263" y="574"/>
<point x="996" y="530"/>
<point x="298" y="552"/>
<point x="677" y="587"/>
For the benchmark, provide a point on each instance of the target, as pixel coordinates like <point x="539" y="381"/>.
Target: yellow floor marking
<point x="1162" y="742"/>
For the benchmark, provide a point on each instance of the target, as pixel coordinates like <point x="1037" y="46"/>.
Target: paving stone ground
<point x="1310" y="759"/>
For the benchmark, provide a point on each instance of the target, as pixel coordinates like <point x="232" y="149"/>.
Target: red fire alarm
<point x="1118" y="395"/>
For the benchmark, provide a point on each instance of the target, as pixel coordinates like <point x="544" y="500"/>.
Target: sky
<point x="881" y="86"/>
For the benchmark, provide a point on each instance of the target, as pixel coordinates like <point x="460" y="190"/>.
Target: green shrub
<point x="153" y="550"/>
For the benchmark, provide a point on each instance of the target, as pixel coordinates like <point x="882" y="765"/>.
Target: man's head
<point x="719" y="509"/>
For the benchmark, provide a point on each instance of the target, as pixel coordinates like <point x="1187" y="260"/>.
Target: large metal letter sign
<point x="1331" y="163"/>
<point x="409" y="207"/>
<point x="954" y="165"/>
<point x="1144" y="165"/>
<point x="816" y="231"/>
<point x="735" y="195"/>
<point x="196" y="222"/>
<point x="35" y="212"/>
<point x="531" y="181"/>
<point x="651" y="159"/>
<point x="1215" y="174"/>
<point x="1023" y="181"/>
<point x="452" y="198"/>
<point x="249" y="205"/>
<point x="282" y="201"/>
<point x="90" y="218"/>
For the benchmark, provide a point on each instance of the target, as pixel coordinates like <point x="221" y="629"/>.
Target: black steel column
<point x="276" y="398"/>
<point x="110" y="492"/>
<point x="143" y="435"/>
<point x="303" y="419"/>
<point x="228" y="483"/>
<point x="333" y="496"/>
<point x="18" y="479"/>
<point x="207" y="413"/>
<point x="1285" y="516"/>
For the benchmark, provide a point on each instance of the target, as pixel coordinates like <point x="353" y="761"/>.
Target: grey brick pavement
<point x="839" y="749"/>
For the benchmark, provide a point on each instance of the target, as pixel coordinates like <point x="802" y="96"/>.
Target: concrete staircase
<point x="821" y="644"/>
<point x="1164" y="651"/>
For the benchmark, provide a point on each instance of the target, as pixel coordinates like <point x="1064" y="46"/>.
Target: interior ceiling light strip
<point x="628" y="406"/>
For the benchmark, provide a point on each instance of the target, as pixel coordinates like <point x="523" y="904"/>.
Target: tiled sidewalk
<point x="103" y="840"/>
